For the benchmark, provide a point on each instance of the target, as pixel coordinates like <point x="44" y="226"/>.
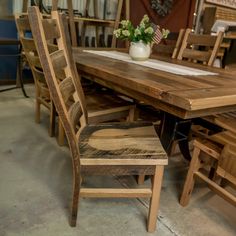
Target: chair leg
<point x="37" y="111"/>
<point x="155" y="199"/>
<point x="75" y="200"/>
<point x="61" y="133"/>
<point x="141" y="179"/>
<point x="189" y="182"/>
<point x="133" y="114"/>
<point x="52" y="120"/>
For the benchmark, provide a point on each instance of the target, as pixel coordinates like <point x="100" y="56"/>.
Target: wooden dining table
<point x="181" y="97"/>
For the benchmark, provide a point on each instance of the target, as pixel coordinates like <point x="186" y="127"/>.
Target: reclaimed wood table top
<point x="184" y="96"/>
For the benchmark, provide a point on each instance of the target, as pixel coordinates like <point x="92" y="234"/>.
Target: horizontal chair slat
<point x="23" y="24"/>
<point x="137" y="162"/>
<point x="206" y="40"/>
<point x="33" y="60"/>
<point x="218" y="189"/>
<point x="58" y="60"/>
<point x="196" y="55"/>
<point x="115" y="193"/>
<point x="118" y="170"/>
<point x="29" y="44"/>
<point x="51" y="29"/>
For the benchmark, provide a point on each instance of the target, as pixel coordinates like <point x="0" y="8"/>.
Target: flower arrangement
<point x="145" y="31"/>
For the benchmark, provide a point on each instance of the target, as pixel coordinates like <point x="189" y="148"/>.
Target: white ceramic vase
<point x="139" y="51"/>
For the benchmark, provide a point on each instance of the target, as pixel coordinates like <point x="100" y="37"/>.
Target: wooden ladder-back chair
<point x="171" y="45"/>
<point x="42" y="92"/>
<point x="102" y="107"/>
<point x="200" y="48"/>
<point x="221" y="156"/>
<point x="103" y="149"/>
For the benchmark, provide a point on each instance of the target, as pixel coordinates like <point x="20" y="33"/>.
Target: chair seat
<point x="125" y="143"/>
<point x="101" y="101"/>
<point x="226" y="115"/>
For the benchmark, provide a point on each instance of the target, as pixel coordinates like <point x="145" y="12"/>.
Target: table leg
<point x="172" y="129"/>
<point x="19" y="80"/>
<point x="19" y="69"/>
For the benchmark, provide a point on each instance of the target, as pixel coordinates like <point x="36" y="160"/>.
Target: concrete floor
<point x="35" y="188"/>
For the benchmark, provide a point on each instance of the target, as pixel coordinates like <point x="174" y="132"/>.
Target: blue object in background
<point x="8" y="64"/>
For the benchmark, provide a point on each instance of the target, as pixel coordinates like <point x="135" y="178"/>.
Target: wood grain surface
<point x="181" y="95"/>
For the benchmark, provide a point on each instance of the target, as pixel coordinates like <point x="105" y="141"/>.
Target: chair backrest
<point x="31" y="53"/>
<point x="71" y="22"/>
<point x="227" y="161"/>
<point x="25" y="5"/>
<point x="29" y="48"/>
<point x="54" y="5"/>
<point x="227" y="164"/>
<point x="66" y="93"/>
<point x="171" y="45"/>
<point x="200" y="48"/>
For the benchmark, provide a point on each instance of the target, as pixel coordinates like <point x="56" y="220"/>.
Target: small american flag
<point x="157" y="34"/>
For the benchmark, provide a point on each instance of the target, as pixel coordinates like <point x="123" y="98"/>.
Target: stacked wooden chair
<point x="102" y="106"/>
<point x="102" y="149"/>
<point x="220" y="156"/>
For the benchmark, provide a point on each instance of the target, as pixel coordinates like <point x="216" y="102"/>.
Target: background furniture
<point x="171" y="45"/>
<point x="86" y="20"/>
<point x="200" y="48"/>
<point x="228" y="48"/>
<point x="10" y="49"/>
<point x="10" y="52"/>
<point x="211" y="14"/>
<point x="221" y="156"/>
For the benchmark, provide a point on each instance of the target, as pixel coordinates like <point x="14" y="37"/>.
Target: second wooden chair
<point x="42" y="95"/>
<point x="220" y="155"/>
<point x="200" y="48"/>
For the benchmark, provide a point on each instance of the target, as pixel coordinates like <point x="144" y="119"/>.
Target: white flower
<point x="117" y="33"/>
<point x="137" y="32"/>
<point x="165" y="33"/>
<point x="149" y="30"/>
<point x="124" y="23"/>
<point x="145" y="19"/>
<point x="126" y="33"/>
<point x="142" y="24"/>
